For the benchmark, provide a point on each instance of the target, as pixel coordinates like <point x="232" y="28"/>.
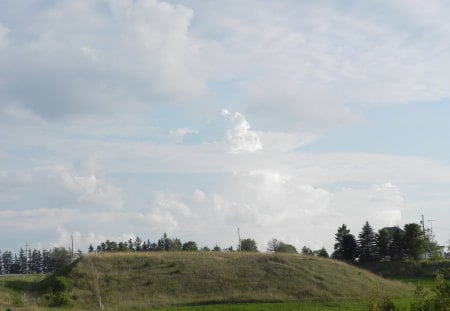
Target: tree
<point x="7" y="261"/>
<point x="306" y="251"/>
<point x="414" y="241"/>
<point x="382" y="241"/>
<point x="321" y="253"/>
<point x="175" y="244"/>
<point x="90" y="249"/>
<point x="367" y="244"/>
<point x="276" y="246"/>
<point x="342" y="231"/>
<point x="137" y="244"/>
<point x="58" y="257"/>
<point x="248" y="245"/>
<point x="163" y="243"/>
<point x="190" y="246"/>
<point x="349" y="247"/>
<point x="36" y="262"/>
<point x="396" y="250"/>
<point x="23" y="261"/>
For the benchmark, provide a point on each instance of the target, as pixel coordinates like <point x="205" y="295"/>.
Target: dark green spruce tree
<point x="339" y="237"/>
<point x="367" y="245"/>
<point x="382" y="240"/>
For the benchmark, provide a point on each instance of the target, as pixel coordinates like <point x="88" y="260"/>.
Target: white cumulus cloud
<point x="240" y="136"/>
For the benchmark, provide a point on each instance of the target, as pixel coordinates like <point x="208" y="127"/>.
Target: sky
<point x="285" y="119"/>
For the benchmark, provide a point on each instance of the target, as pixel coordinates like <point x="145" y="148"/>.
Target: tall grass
<point x="126" y="280"/>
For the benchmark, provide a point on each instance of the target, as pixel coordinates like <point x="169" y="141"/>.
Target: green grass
<point x="208" y="281"/>
<point x="159" y="279"/>
<point x="426" y="282"/>
<point x="291" y="306"/>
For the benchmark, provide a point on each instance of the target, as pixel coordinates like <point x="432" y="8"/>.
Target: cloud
<point x="315" y="65"/>
<point x="240" y="137"/>
<point x="294" y="105"/>
<point x="12" y="184"/>
<point x="4" y="31"/>
<point x="285" y="141"/>
<point x="91" y="189"/>
<point x="122" y="56"/>
<point x="35" y="219"/>
<point x="179" y="134"/>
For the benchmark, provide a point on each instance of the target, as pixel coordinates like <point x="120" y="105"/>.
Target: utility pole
<point x="26" y="257"/>
<point x="431" y="229"/>
<point x="422" y="222"/>
<point x="239" y="236"/>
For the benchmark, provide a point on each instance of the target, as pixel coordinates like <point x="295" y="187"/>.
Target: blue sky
<point x="283" y="118"/>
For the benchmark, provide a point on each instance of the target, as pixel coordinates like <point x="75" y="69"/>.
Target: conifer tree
<point x="342" y="231"/>
<point x="367" y="247"/>
<point x="382" y="241"/>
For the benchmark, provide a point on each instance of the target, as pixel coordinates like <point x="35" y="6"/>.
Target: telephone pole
<point x="422" y="222"/>
<point x="431" y="230"/>
<point x="26" y="257"/>
<point x="239" y="236"/>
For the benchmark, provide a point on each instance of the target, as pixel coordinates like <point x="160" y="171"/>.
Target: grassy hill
<point x="126" y="280"/>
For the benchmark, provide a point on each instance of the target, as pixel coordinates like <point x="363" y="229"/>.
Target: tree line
<point x="165" y="243"/>
<point x="35" y="261"/>
<point x="390" y="243"/>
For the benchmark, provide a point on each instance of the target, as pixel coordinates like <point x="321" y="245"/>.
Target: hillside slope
<point x="135" y="280"/>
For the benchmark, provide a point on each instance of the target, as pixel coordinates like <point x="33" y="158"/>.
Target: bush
<point x="438" y="299"/>
<point x="60" y="284"/>
<point x="59" y="296"/>
<point x="379" y="302"/>
<point x="60" y="299"/>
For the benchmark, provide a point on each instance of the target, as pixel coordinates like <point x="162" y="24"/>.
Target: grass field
<point x="209" y="281"/>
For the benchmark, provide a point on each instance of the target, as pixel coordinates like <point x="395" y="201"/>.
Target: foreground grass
<point x="125" y="281"/>
<point x="16" y="290"/>
<point x="401" y="303"/>
<point x="208" y="281"/>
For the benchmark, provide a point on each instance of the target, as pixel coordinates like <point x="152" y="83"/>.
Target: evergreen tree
<point x="396" y="251"/>
<point x="15" y="267"/>
<point x="90" y="249"/>
<point x="349" y="247"/>
<point x="367" y="244"/>
<point x="382" y="240"/>
<point x="342" y="231"/>
<point x="45" y="261"/>
<point x="23" y="261"/>
<point x="36" y="261"/>
<point x="7" y="261"/>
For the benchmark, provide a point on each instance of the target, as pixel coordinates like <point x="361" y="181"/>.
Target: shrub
<point x="60" y="284"/>
<point x="59" y="299"/>
<point x="438" y="299"/>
